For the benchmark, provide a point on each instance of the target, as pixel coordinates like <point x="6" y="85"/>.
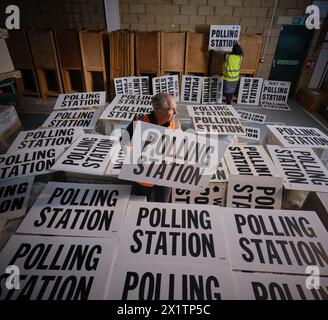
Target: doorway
<point x="291" y="50"/>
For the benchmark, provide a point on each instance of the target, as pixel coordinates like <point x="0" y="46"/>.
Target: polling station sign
<point x="172" y="233"/>
<point x="81" y="100"/>
<point x="290" y="136"/>
<point x="275" y="91"/>
<point x="89" y="154"/>
<point x="168" y="84"/>
<point x="254" y="181"/>
<point x="285" y="241"/>
<point x="28" y="163"/>
<point x="283" y="106"/>
<point x="85" y="119"/>
<point x="147" y="281"/>
<point x="249" y="91"/>
<point x="57" y="268"/>
<point x="75" y="209"/>
<point x="214" y="194"/>
<point x="161" y="156"/>
<point x="301" y="168"/>
<point x="191" y="89"/>
<point x="252" y="133"/>
<point x="252" y="116"/>
<point x="260" y="286"/>
<point x="217" y="125"/>
<point x="223" y="37"/>
<point x="14" y="196"/>
<point x="212" y="90"/>
<point x="43" y="138"/>
<point x="131" y="85"/>
<point x="126" y="107"/>
<point x="221" y="110"/>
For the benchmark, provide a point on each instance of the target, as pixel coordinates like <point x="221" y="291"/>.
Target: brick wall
<point x="67" y="14"/>
<point x="254" y="16"/>
<point x="167" y="15"/>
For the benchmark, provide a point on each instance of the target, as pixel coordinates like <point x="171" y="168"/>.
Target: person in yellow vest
<point x="231" y="70"/>
<point x="164" y="114"/>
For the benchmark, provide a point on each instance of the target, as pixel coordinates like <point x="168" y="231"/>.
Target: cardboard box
<point x="311" y="99"/>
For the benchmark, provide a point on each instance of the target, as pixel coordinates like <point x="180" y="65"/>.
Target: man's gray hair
<point x="160" y="101"/>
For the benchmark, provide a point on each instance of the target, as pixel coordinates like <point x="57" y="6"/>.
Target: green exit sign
<point x="299" y="20"/>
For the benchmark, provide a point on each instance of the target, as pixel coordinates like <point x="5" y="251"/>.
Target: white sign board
<point x="218" y="125"/>
<point x="175" y="233"/>
<point x="191" y="89"/>
<point x="75" y="209"/>
<point x="57" y="268"/>
<point x="146" y="281"/>
<point x="290" y="136"/>
<point x="259" y="286"/>
<point x="90" y="154"/>
<point x="116" y="163"/>
<point x="14" y="196"/>
<point x="28" y="163"/>
<point x="131" y="85"/>
<point x="81" y="100"/>
<point x="283" y="106"/>
<point x="252" y="133"/>
<point x="275" y="91"/>
<point x="212" y="90"/>
<point x="168" y="84"/>
<point x="214" y="194"/>
<point x="252" y="116"/>
<point x="249" y="91"/>
<point x="42" y="138"/>
<point x="254" y="181"/>
<point x="171" y="158"/>
<point x="222" y="110"/>
<point x="126" y="107"/>
<point x="301" y="168"/>
<point x="223" y="37"/>
<point x="285" y="241"/>
<point x="86" y="119"/>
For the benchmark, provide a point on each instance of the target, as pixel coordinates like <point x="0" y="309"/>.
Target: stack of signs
<point x="171" y="251"/>
<point x="290" y="136"/>
<point x="277" y="241"/>
<point x="14" y="196"/>
<point x="89" y="154"/>
<point x="132" y="85"/>
<point x="43" y="138"/>
<point x="85" y="119"/>
<point x="126" y="107"/>
<point x="249" y="91"/>
<point x="56" y="268"/>
<point x="191" y="89"/>
<point x="301" y="168"/>
<point x="275" y="95"/>
<point x="214" y="194"/>
<point x="223" y="37"/>
<point x="251" y="116"/>
<point x="168" y="84"/>
<point x="28" y="163"/>
<point x="83" y="100"/>
<point x="83" y="210"/>
<point x="216" y="119"/>
<point x="212" y="90"/>
<point x="254" y="181"/>
<point x="171" y="158"/>
<point x="261" y="286"/>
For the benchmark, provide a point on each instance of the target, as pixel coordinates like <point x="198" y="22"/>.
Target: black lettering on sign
<point x="148" y="286"/>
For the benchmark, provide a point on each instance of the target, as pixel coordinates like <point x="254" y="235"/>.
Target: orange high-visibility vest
<point x="175" y="124"/>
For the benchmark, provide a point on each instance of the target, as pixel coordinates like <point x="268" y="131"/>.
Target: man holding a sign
<point x="164" y="114"/>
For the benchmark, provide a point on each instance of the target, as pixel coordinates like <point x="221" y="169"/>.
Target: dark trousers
<point x="229" y="97"/>
<point x="161" y="194"/>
